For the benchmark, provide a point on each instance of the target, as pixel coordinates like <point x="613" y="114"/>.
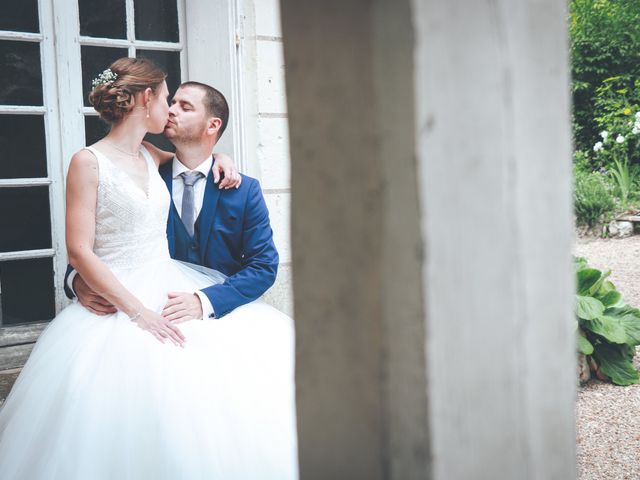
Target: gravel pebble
<point x="608" y="416"/>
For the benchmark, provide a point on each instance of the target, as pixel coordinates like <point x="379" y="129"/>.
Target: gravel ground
<point x="608" y="416"/>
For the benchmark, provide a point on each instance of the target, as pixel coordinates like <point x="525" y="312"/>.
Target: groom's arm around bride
<point x="227" y="230"/>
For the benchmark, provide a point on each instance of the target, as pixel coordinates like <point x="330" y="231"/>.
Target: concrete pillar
<point x="431" y="230"/>
<point x="356" y="240"/>
<point x="495" y="175"/>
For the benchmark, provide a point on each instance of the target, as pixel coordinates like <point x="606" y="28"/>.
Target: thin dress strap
<point x="98" y="155"/>
<point x="147" y="155"/>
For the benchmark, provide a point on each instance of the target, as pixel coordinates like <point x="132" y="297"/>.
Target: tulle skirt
<point x="100" y="398"/>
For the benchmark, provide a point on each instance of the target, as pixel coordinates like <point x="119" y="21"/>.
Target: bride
<point x="133" y="395"/>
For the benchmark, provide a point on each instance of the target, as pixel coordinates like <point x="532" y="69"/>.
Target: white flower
<point x="604" y="134"/>
<point x="598" y="146"/>
<point x="620" y="139"/>
<point x="635" y="129"/>
<point x="638" y="115"/>
<point x="107" y="77"/>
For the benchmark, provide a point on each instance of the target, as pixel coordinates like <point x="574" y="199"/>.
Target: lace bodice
<point x="130" y="223"/>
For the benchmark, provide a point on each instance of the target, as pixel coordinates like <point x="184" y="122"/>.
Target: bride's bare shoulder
<point x="83" y="166"/>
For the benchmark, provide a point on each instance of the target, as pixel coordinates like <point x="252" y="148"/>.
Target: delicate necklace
<point x="132" y="155"/>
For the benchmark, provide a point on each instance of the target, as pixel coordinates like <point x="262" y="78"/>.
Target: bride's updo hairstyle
<point x="113" y="94"/>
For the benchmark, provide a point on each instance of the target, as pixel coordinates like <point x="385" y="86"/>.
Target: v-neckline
<point x="144" y="191"/>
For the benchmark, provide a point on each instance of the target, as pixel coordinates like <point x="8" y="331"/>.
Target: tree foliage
<point x="604" y="43"/>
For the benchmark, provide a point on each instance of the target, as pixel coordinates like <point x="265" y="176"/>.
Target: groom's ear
<point x="213" y="125"/>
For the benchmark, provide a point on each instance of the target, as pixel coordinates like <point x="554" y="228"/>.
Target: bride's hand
<point x="224" y="165"/>
<point x="159" y="327"/>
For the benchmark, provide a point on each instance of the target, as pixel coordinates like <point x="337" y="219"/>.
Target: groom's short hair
<point x="214" y="102"/>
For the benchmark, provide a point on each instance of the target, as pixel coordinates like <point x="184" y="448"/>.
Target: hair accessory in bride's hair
<point x="105" y="78"/>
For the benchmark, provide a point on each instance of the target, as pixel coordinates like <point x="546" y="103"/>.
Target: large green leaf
<point x="606" y="287"/>
<point x="614" y="364"/>
<point x="610" y="328"/>
<point x="622" y="310"/>
<point x="587" y="278"/>
<point x="588" y="308"/>
<point x="610" y="298"/>
<point x="584" y="345"/>
<point x="628" y="351"/>
<point x="599" y="283"/>
<point x="629" y="318"/>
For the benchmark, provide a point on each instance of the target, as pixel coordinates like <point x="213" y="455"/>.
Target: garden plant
<point x="605" y="63"/>
<point x="608" y="330"/>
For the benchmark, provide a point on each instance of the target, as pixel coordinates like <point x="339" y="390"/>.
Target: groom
<point x="224" y="229"/>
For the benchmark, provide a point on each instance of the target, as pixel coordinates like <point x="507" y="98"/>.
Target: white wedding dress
<point x="102" y="399"/>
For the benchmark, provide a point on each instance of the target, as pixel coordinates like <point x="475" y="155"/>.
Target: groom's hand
<point x="182" y="306"/>
<point x="90" y="299"/>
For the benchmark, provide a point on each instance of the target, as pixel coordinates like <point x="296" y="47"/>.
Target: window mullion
<point x="22" y="36"/>
<point x="182" y="29"/>
<point x="69" y="85"/>
<point x="25" y="182"/>
<point x="22" y="109"/>
<point x="27" y="254"/>
<point x="131" y="27"/>
<point x="53" y="134"/>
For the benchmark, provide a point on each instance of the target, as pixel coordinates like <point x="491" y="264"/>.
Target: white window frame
<point x="202" y="59"/>
<point x="11" y="337"/>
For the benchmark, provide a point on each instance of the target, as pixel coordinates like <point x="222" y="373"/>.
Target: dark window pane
<point x="94" y="61"/>
<point x="100" y="18"/>
<point x="25" y="218"/>
<point x="94" y="129"/>
<point x="160" y="141"/>
<point x="21" y="78"/>
<point x="156" y="20"/>
<point x="26" y="291"/>
<point x="21" y="16"/>
<point x="169" y="62"/>
<point x="22" y="148"/>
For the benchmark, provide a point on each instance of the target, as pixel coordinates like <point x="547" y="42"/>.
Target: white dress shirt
<point x="198" y="187"/>
<point x="198" y="198"/>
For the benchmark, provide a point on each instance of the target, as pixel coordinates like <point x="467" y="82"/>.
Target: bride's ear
<point x="146" y="96"/>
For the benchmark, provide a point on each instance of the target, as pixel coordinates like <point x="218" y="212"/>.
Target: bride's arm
<point x="160" y="157"/>
<point x="82" y="187"/>
<point x="223" y="164"/>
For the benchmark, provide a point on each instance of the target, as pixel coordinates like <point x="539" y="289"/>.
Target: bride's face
<point x="158" y="109"/>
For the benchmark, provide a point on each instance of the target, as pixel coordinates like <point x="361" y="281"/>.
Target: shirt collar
<point x="204" y="167"/>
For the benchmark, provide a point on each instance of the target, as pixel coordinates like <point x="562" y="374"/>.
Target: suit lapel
<point x="208" y="212"/>
<point x="166" y="172"/>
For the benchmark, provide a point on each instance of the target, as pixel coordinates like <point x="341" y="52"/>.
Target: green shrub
<point x="604" y="43"/>
<point x="608" y="330"/>
<point x="593" y="198"/>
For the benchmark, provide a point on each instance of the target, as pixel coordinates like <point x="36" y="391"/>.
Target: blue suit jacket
<point x="235" y="238"/>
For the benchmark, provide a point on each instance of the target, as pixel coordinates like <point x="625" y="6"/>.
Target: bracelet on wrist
<point x="136" y="316"/>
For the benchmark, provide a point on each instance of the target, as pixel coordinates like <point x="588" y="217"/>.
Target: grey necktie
<point x="188" y="209"/>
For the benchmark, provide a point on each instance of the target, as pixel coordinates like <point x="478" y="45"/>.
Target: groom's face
<point x="187" y="116"/>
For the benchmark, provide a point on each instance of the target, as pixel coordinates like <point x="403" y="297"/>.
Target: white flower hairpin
<point x="107" y="77"/>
